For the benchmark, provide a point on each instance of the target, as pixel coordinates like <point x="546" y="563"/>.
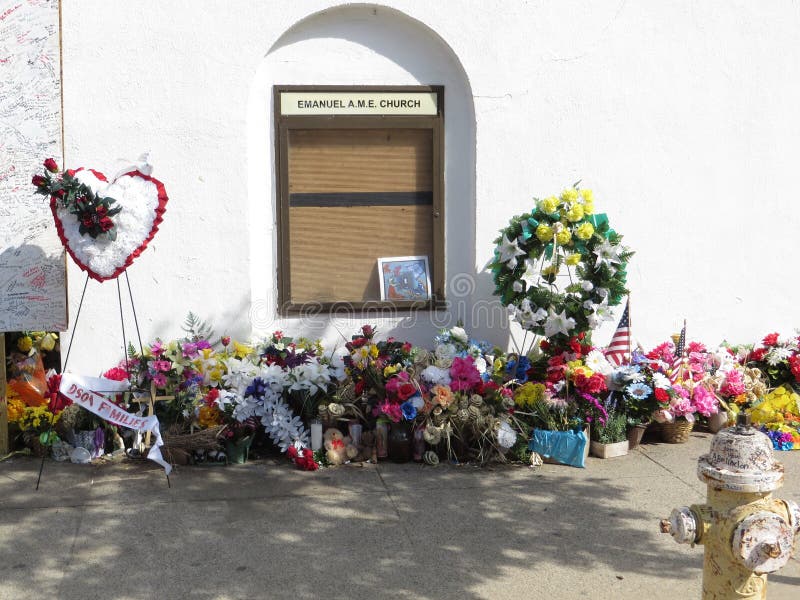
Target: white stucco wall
<point x="681" y="116"/>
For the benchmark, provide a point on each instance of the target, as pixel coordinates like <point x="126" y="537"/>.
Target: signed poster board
<point x="32" y="263"/>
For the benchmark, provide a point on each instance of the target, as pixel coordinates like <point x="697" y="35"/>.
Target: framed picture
<point x="404" y="278"/>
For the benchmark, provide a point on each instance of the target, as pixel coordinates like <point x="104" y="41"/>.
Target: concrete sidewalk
<point x="266" y="530"/>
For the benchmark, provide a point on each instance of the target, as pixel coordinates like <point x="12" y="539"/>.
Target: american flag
<point x="619" y="348"/>
<point x="677" y="362"/>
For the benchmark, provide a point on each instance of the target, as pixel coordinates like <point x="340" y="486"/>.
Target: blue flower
<point x="409" y="410"/>
<point x="518" y="368"/>
<point x="640" y="391"/>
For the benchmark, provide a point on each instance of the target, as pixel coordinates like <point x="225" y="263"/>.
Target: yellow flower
<point x="569" y="196"/>
<point x="390" y="370"/>
<point x="588" y="196"/>
<point x="48" y="342"/>
<point x="573" y="259"/>
<point x="373" y="351"/>
<point x="584" y="231"/>
<point x="16" y="409"/>
<point x="24" y="344"/>
<point x="208" y="416"/>
<point x="575" y="213"/>
<point x="549" y="205"/>
<point x="241" y="350"/>
<point x="529" y="394"/>
<point x="576" y="367"/>
<point x="564" y="236"/>
<point x="544" y="232"/>
<point x="498" y="366"/>
<point x="551" y="269"/>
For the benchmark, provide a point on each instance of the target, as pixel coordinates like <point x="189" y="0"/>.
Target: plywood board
<point x="334" y="250"/>
<point x="360" y="160"/>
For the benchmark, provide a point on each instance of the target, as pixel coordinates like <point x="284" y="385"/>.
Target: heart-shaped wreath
<point x="560" y="268"/>
<point x="103" y="225"/>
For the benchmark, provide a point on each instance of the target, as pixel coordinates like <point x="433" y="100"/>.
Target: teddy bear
<point x="339" y="448"/>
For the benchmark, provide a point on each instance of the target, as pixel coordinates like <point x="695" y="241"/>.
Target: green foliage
<point x="614" y="430"/>
<point x="196" y="328"/>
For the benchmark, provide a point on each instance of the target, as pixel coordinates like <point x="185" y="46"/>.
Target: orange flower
<point x="442" y="395"/>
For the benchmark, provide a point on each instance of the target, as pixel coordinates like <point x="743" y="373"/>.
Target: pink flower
<point x="400" y="387"/>
<point x="389" y="410"/>
<point x="463" y="374"/>
<point x="157" y="348"/>
<point x="116" y="373"/>
<point x="160" y="380"/>
<point x="704" y="401"/>
<point x="665" y="352"/>
<point x="733" y="384"/>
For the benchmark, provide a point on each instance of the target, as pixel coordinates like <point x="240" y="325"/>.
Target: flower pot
<point x="718" y="421"/>
<point x="601" y="450"/>
<point x="635" y="434"/>
<point x="676" y="432"/>
<point x="238" y="451"/>
<point x="400" y="443"/>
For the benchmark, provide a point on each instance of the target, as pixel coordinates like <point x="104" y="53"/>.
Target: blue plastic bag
<point x="567" y="447"/>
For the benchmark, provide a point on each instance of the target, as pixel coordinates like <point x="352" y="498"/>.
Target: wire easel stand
<point x="124" y="345"/>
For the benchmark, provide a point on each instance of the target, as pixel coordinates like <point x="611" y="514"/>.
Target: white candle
<point x="316" y="435"/>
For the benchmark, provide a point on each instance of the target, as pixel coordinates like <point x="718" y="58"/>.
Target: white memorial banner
<point x="79" y="389"/>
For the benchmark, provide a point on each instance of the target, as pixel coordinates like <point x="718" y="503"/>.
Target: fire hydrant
<point x="746" y="532"/>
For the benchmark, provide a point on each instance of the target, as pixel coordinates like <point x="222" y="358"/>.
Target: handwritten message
<point x="32" y="266"/>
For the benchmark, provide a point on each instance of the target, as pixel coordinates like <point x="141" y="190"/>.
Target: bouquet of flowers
<point x="779" y="359"/>
<point x="570" y="395"/>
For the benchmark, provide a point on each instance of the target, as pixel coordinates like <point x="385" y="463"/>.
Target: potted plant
<point x="609" y="439"/>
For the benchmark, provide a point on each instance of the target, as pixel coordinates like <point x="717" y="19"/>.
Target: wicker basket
<point x="676" y="432"/>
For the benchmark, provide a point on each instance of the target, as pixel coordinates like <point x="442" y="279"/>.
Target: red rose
<point x="405" y="391"/>
<point x="359" y="389"/>
<point x="590" y="385"/>
<point x="101" y="211"/>
<point x="757" y="355"/>
<point x="87" y="221"/>
<point x="770" y="340"/>
<point x="39" y="180"/>
<point x="50" y="165"/>
<point x="225" y="339"/>
<point x="407" y="347"/>
<point x="106" y="224"/>
<point x="368" y="330"/>
<point x="357" y="343"/>
<point x="544" y="345"/>
<point x="575" y="346"/>
<point x="661" y="395"/>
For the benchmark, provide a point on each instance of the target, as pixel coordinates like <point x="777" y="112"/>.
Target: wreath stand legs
<point x="152" y="397"/>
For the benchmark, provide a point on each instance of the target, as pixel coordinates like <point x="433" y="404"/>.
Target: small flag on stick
<point x="619" y="348"/>
<point x="677" y="361"/>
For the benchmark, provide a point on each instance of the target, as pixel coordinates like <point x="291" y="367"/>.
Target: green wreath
<point x="563" y="239"/>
